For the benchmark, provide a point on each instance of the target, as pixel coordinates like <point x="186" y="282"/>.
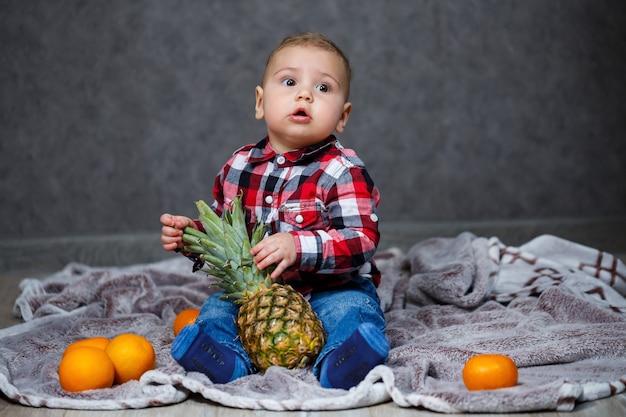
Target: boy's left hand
<point x="278" y="249"/>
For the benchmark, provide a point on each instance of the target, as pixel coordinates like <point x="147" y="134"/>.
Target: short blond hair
<point x="313" y="40"/>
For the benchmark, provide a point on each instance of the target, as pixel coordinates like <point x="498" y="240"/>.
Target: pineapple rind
<point x="272" y="338"/>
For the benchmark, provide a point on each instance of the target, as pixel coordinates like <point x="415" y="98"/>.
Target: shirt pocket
<point x="303" y="215"/>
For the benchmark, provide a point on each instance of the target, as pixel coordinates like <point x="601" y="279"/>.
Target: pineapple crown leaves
<point x="225" y="246"/>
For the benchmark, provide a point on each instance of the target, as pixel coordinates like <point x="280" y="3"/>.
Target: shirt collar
<point x="263" y="152"/>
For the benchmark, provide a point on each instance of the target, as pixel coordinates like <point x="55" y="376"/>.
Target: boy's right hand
<point x="172" y="230"/>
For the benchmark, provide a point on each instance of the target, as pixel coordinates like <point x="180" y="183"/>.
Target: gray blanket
<point x="555" y="307"/>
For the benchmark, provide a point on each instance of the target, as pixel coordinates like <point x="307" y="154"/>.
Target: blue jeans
<point x="341" y="310"/>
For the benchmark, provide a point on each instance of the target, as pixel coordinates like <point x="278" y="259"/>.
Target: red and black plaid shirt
<point x="322" y="195"/>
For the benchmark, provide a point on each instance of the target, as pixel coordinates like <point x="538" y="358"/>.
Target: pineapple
<point x="276" y="325"/>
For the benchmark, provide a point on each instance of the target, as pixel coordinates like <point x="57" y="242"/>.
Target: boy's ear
<point x="258" y="107"/>
<point x="345" y="114"/>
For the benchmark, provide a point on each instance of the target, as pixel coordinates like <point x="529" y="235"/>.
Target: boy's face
<point x="303" y="97"/>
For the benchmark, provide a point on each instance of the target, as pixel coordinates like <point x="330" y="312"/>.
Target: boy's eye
<point x="289" y="82"/>
<point x="323" y="88"/>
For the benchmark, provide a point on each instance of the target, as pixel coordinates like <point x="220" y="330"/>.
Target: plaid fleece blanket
<point x="554" y="306"/>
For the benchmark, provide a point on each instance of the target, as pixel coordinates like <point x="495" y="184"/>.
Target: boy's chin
<point x="296" y="142"/>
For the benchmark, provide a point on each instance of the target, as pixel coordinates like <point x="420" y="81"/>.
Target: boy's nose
<point x="304" y="94"/>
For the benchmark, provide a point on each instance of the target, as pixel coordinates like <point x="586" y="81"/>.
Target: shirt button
<point x="269" y="199"/>
<point x="373" y="217"/>
<point x="280" y="159"/>
<point x="299" y="218"/>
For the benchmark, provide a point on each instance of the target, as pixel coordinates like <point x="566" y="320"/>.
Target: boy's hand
<point x="278" y="249"/>
<point x="172" y="230"/>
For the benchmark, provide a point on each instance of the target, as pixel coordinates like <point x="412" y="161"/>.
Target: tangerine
<point x="185" y="318"/>
<point x="99" y="341"/>
<point x="132" y="355"/>
<point x="86" y="367"/>
<point x="489" y="371"/>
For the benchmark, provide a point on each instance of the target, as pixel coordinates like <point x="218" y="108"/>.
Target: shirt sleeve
<point x="352" y="236"/>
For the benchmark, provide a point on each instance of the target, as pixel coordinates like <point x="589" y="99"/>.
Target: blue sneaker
<point x="198" y="352"/>
<point x="347" y="365"/>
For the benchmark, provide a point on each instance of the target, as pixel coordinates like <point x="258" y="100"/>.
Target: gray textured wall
<point x="112" y="112"/>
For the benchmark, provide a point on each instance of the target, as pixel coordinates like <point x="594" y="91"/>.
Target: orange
<point x="86" y="367"/>
<point x="132" y="355"/>
<point x="489" y="371"/>
<point x="98" y="341"/>
<point x="185" y="318"/>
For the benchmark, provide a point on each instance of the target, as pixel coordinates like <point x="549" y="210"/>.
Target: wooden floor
<point x="611" y="407"/>
<point x="614" y="406"/>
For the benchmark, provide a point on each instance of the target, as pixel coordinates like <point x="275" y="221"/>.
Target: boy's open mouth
<point x="300" y="113"/>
